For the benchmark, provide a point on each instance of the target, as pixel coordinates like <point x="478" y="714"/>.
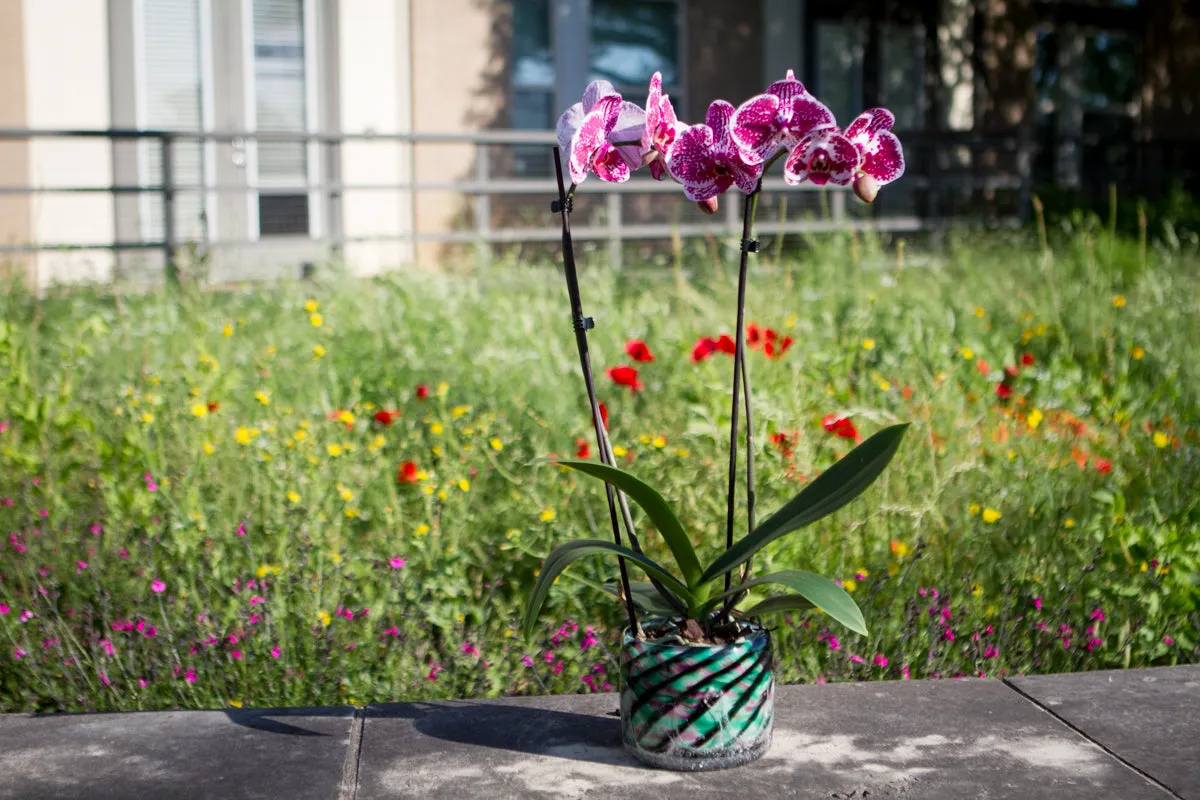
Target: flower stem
<point x="581" y="324"/>
<point x="739" y="356"/>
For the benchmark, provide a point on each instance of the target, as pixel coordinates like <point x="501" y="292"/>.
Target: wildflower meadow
<point x="321" y="492"/>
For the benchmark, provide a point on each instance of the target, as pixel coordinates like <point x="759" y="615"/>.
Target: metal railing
<point x="948" y="174"/>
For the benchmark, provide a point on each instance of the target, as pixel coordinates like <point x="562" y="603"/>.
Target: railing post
<point x="616" y="249"/>
<point x="483" y="205"/>
<point x="838" y="206"/>
<point x="167" y="156"/>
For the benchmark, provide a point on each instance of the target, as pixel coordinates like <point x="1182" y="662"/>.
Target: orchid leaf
<point x="835" y="487"/>
<point x="783" y="602"/>
<point x="817" y="589"/>
<point x="656" y="509"/>
<point x="649" y="599"/>
<point x="561" y="557"/>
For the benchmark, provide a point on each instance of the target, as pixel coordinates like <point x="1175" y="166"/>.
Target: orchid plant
<point x="606" y="135"/>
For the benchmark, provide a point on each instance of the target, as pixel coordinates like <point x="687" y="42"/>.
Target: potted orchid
<point x="697" y="679"/>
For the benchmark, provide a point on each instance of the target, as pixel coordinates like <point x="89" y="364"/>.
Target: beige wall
<point x="459" y="83"/>
<point x="14" y="155"/>
<point x="67" y="86"/>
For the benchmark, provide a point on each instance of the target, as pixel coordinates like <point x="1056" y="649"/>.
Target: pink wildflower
<point x="276" y="652"/>
<point x="434" y="669"/>
<point x="397" y="562"/>
<point x="470" y="649"/>
<point x="236" y="655"/>
<point x="857" y="659"/>
<point x="158" y="587"/>
<point x="80" y="566"/>
<point x="4" y="609"/>
<point x="558" y="668"/>
<point x="1168" y="641"/>
<point x="1098" y="615"/>
<point x="1037" y="602"/>
<point x="527" y="661"/>
<point x="190" y="675"/>
<point x="880" y="660"/>
<point x="834" y="644"/>
<point x="18" y="654"/>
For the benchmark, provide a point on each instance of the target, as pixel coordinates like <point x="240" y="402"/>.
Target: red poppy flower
<point x="703" y="348"/>
<point x="726" y="344"/>
<point x="1027" y="359"/>
<point x="386" y="418"/>
<point x="582" y="448"/>
<point x="753" y="336"/>
<point x="1011" y="370"/>
<point x="839" y="426"/>
<point x="769" y="349"/>
<point x="907" y="393"/>
<point x="1103" y="466"/>
<point x="604" y="415"/>
<point x="422" y="391"/>
<point x="214" y="408"/>
<point x="407" y="473"/>
<point x="784" y="442"/>
<point x="626" y="376"/>
<point x="983" y="367"/>
<point x="638" y="351"/>
<point x="770" y="335"/>
<point x="776" y="348"/>
<point x="1003" y="391"/>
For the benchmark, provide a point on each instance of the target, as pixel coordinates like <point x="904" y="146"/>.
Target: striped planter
<point x="698" y="707"/>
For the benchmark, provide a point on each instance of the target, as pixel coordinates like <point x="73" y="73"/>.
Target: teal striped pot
<point x="698" y="707"/>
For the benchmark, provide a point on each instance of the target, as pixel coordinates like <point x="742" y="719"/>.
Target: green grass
<point x="262" y="541"/>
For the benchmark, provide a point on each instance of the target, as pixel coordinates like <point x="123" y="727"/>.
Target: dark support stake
<point x="581" y="324"/>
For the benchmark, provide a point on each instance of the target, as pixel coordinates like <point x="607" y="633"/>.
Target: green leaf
<point x="783" y="602"/>
<point x="647" y="598"/>
<point x="561" y="557"/>
<point x="656" y="508"/>
<point x="817" y="589"/>
<point x="836" y="487"/>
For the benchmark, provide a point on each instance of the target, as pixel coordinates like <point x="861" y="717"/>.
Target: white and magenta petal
<point x="886" y="163"/>
<point x="568" y="123"/>
<point x="591" y="135"/>
<point x="788" y="88"/>
<point x="653" y="111"/>
<point x="746" y="176"/>
<point x="756" y="128"/>
<point x="824" y="156"/>
<point x="869" y="124"/>
<point x="691" y="158"/>
<point x="594" y="91"/>
<point x="629" y="126"/>
<point x="719" y="117"/>
<point x="805" y="115"/>
<point x="610" y="164"/>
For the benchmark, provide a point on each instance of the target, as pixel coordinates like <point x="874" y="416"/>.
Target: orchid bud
<point x="866" y="187"/>
<point x="708" y="206"/>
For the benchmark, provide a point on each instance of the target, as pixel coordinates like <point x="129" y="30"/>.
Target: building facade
<point x="1091" y="90"/>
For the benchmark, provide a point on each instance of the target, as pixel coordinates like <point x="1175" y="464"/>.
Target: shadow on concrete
<point x="515" y="728"/>
<point x="259" y="719"/>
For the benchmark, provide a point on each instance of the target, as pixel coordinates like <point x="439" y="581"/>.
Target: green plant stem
<point x="748" y="209"/>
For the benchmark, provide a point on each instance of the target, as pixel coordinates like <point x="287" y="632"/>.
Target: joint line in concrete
<point x="349" y="786"/>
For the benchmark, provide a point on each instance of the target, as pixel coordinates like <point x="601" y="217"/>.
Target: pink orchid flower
<point x="882" y="156"/>
<point x="588" y="130"/>
<point x="823" y="156"/>
<point x="662" y="129"/>
<point x="778" y="119"/>
<point x="706" y="160"/>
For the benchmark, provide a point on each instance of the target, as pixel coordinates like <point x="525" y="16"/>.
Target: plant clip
<point x="750" y="245"/>
<point x="584" y="323"/>
<point x="556" y="207"/>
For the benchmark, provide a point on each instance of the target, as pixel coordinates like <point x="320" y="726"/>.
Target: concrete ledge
<point x="1132" y="734"/>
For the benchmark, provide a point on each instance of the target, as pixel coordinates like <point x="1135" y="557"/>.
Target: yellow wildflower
<point x="437" y="451"/>
<point x="235" y="703"/>
<point x="311" y="306"/>
<point x="458" y="411"/>
<point x="976" y="589"/>
<point x="966" y="352"/>
<point x="1069" y="523"/>
<point x="345" y="417"/>
<point x="899" y="548"/>
<point x="227" y="330"/>
<point x="496" y="444"/>
<point x="849" y="584"/>
<point x="884" y="385"/>
<point x="200" y="410"/>
<point x="1160" y="439"/>
<point x="335" y="556"/>
<point x="324" y="618"/>
<point x="660" y="441"/>
<point x="973" y="509"/>
<point x="442" y="388"/>
<point x="1034" y="419"/>
<point x="421" y="529"/>
<point x="990" y="515"/>
<point x="979" y="311"/>
<point x="442" y="495"/>
<point x="334" y="449"/>
<point x="1138" y="353"/>
<point x="377" y="443"/>
<point x="428" y="490"/>
<point x="682" y="452"/>
<point x="318" y="351"/>
<point x="351" y="512"/>
<point x="243" y="436"/>
<point x="619" y="451"/>
<point x="791" y="321"/>
<point x="547" y="515"/>
<point x="868" y="344"/>
<point x="293" y="496"/>
<point x="644" y="438"/>
<point x="147" y="418"/>
<point x="347" y="495"/>
<point x="1118" y="301"/>
<point x="464" y="485"/>
<point x="1145" y="566"/>
<point x="317" y="320"/>
<point x="436" y="429"/>
<point x="208" y="448"/>
<point x="300" y="435"/>
<point x="262" y="397"/>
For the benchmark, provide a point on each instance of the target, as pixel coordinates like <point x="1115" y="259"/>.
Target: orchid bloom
<point x="707" y="161"/>
<point x="778" y="119"/>
<point x="882" y="157"/>
<point x="662" y="129"/>
<point x="588" y="130"/>
<point x="823" y="156"/>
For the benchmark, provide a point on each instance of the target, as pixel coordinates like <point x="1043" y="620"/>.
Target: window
<point x="532" y="83"/>
<point x="170" y="99"/>
<point x="630" y="41"/>
<point x="902" y="74"/>
<point x="839" y="54"/>
<point x="280" y="92"/>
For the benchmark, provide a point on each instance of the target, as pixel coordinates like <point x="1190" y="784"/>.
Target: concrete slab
<point x="935" y="739"/>
<point x="1150" y="718"/>
<point x="293" y="753"/>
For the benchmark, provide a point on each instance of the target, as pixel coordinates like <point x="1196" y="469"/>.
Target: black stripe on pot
<point x="643" y="695"/>
<point x="654" y="667"/>
<point x="703" y="709"/>
<point x="738" y="706"/>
